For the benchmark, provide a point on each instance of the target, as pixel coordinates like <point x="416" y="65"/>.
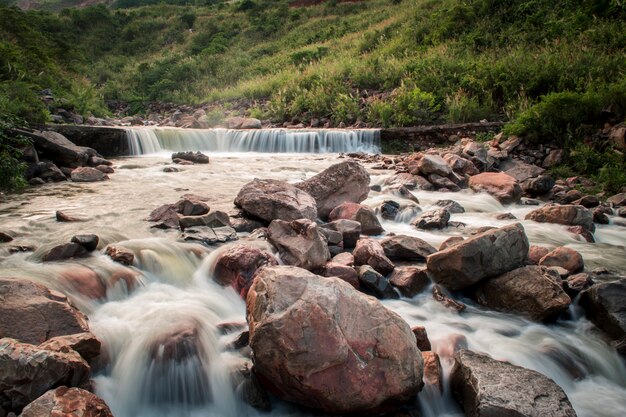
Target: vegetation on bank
<point x="551" y="68"/>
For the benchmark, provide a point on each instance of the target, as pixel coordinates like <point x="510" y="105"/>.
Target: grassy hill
<point x="383" y="62"/>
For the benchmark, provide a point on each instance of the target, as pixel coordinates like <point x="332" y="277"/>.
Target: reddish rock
<point x="343" y="272"/>
<point x="421" y="338"/>
<point x="64" y="252"/>
<point x="65" y="218"/>
<point x="67" y="402"/>
<point x="375" y="284"/>
<point x="460" y="165"/>
<point x="617" y="200"/>
<point x="365" y="354"/>
<point x="191" y="206"/>
<point x="535" y="253"/>
<point x="406" y="248"/>
<point x="410" y="281"/>
<point x="237" y="265"/>
<point x="577" y="283"/>
<point x="120" y="254"/>
<point x="433" y="372"/>
<point x="440" y="296"/>
<point x="433" y="219"/>
<point x="32" y="313"/>
<point x="370" y="252"/>
<point x="565" y="258"/>
<point x="299" y="243"/>
<point x="433" y="164"/>
<point x="451" y="241"/>
<point x="582" y="232"/>
<point x="350" y="231"/>
<point x="86" y="344"/>
<point x="88" y="174"/>
<point x="344" y="182"/>
<point x="502" y="186"/>
<point x="84" y="281"/>
<point x="194" y="157"/>
<point x="343" y="258"/>
<point x="568" y="215"/>
<point x="360" y="213"/>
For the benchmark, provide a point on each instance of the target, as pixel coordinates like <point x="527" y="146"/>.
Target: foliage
<point x="11" y="167"/>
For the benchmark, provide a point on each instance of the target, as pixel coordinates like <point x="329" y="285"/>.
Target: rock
<point x="195" y="157"/>
<point x="433" y="372"/>
<point x="486" y="387"/>
<point x="621" y="212"/>
<point x="505" y="216"/>
<point x="406" y="248"/>
<point x="243" y="225"/>
<point x="410" y="281"/>
<point x="375" y="284"/>
<point x="589" y="201"/>
<point x="78" y="279"/>
<point x="237" y="265"/>
<point x="87" y="174"/>
<point x="171" y="169"/>
<point x="209" y="235"/>
<point x="555" y="157"/>
<point x="64" y="252"/>
<point x="370" y="252"/>
<point x="5" y="237"/>
<point x="272" y="199"/>
<point x="604" y="305"/>
<point x="567" y="215"/>
<point x="56" y="147"/>
<point x="333" y="237"/>
<point x="165" y="217"/>
<point x="582" y="232"/>
<point x="538" y="186"/>
<point x="460" y="165"/>
<point x="88" y="242"/>
<point x="343" y="272"/>
<point x="365" y="356"/>
<point x="531" y="291"/>
<point x="617" y="135"/>
<point x="443" y="183"/>
<point x="299" y="243"/>
<point x="349" y="229"/>
<point x="46" y="171"/>
<point x="433" y="164"/>
<point x="618" y="200"/>
<point x="360" y="213"/>
<point x="31" y="313"/>
<point x="67" y="402"/>
<point x="421" y="338"/>
<point x="62" y="217"/>
<point x="95" y="161"/>
<point x="389" y="209"/>
<point x="28" y="372"/>
<point x="577" y="283"/>
<point x="189" y="206"/>
<point x="522" y="171"/>
<point x="485" y="255"/>
<point x="120" y="254"/>
<point x="401" y="191"/>
<point x="214" y="220"/>
<point x="105" y="169"/>
<point x="86" y="344"/>
<point x="452" y="206"/>
<point x="344" y="182"/>
<point x="502" y="186"/>
<point x="565" y="258"/>
<point x="451" y="241"/>
<point x="535" y="253"/>
<point x="441" y="297"/>
<point x="422" y="183"/>
<point x="433" y="219"/>
<point x="510" y="144"/>
<point x="568" y="197"/>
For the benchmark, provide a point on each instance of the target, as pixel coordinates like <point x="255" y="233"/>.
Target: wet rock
<point x="89" y="242"/>
<point x="190" y="206"/>
<point x="373" y="283"/>
<point x="577" y="283"/>
<point x="617" y="200"/>
<point x="422" y="183"/>
<point x="251" y="389"/>
<point x="451" y="241"/>
<point x="389" y="209"/>
<point x="589" y="201"/>
<point x="440" y="295"/>
<point x="487" y="387"/>
<point x="535" y="253"/>
<point x="433" y="164"/>
<point x="537" y="186"/>
<point x="5" y="237"/>
<point x="67" y="402"/>
<point x="333" y="237"/>
<point x="272" y="199"/>
<point x="360" y="213"/>
<point x="583" y="233"/>
<point x="521" y="171"/>
<point x="46" y="171"/>
<point x="64" y="252"/>
<point x="81" y="280"/>
<point x="433" y="219"/>
<point x="505" y="216"/>
<point x="621" y="212"/>
<point x="209" y="235"/>
<point x="349" y="229"/>
<point x="365" y="356"/>
<point x="214" y="219"/>
<point x="62" y="217"/>
<point x="343" y="272"/>
<point x="165" y="217"/>
<point x="95" y="161"/>
<point x="28" y="372"/>
<point x="605" y="306"/>
<point x="299" y="243"/>
<point x="86" y="344"/>
<point x="344" y="182"/>
<point x="568" y="197"/>
<point x="460" y="165"/>
<point x="443" y="183"/>
<point x="237" y="265"/>
<point x="485" y="255"/>
<point x="370" y="252"/>
<point x="421" y="338"/>
<point x="243" y="225"/>
<point x="401" y="191"/>
<point x="58" y="148"/>
<point x="105" y="169"/>
<point x="406" y="248"/>
<point x="88" y="174"/>
<point x="120" y="254"/>
<point x="452" y="206"/>
<point x="567" y="215"/>
<point x="500" y="185"/>
<point x="433" y="372"/>
<point x="195" y="157"/>
<point x="171" y="169"/>
<point x="32" y="313"/>
<point x="565" y="258"/>
<point x="531" y="291"/>
<point x="410" y="281"/>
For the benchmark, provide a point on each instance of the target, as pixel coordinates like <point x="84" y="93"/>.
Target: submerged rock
<point x="195" y="157"/>
<point x="63" y="252"/>
<point x="299" y="243"/>
<point x="487" y="387"/>
<point x="344" y="182"/>
<point x="120" y="254"/>
<point x="365" y="354"/>
<point x="67" y="402"/>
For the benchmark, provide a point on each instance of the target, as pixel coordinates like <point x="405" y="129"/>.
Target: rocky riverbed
<point x="301" y="284"/>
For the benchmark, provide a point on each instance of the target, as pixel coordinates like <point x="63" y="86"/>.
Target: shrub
<point x="11" y="167"/>
<point x="463" y="108"/>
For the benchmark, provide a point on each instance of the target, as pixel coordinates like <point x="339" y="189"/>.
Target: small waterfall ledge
<point x="143" y="141"/>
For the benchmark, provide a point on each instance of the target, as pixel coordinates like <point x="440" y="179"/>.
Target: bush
<point x="406" y="106"/>
<point x="463" y="108"/>
<point x="11" y="167"/>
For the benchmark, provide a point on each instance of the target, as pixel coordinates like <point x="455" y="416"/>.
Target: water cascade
<point x="154" y="140"/>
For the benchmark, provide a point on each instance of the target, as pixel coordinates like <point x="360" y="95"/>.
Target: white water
<point x="154" y="140"/>
<point x="175" y="290"/>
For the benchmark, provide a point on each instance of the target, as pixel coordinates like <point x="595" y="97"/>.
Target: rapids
<point x="174" y="289"/>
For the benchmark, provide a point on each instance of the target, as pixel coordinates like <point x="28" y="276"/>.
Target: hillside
<point x="379" y="62"/>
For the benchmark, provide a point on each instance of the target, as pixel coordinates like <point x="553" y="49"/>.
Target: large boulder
<point x="433" y="164"/>
<point x="299" y="243"/>
<point x="272" y="199"/>
<point x="344" y="182"/>
<point x="67" y="402"/>
<point x="487" y="387"/>
<point x="565" y="258"/>
<point x="359" y="213"/>
<point x="502" y="186"/>
<point x="485" y="255"/>
<point x="531" y="291"/>
<point x="195" y="157"/>
<point x="29" y="371"/>
<point x="605" y="305"/>
<point x="568" y="215"/>
<point x="56" y="147"/>
<point x="365" y="355"/>
<point x="406" y="248"/>
<point x="370" y="252"/>
<point x="236" y="266"/>
<point x="32" y="313"/>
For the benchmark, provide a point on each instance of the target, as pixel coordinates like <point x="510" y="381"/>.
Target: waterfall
<point x="153" y="140"/>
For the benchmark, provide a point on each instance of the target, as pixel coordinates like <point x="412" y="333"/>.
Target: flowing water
<point x="168" y="293"/>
